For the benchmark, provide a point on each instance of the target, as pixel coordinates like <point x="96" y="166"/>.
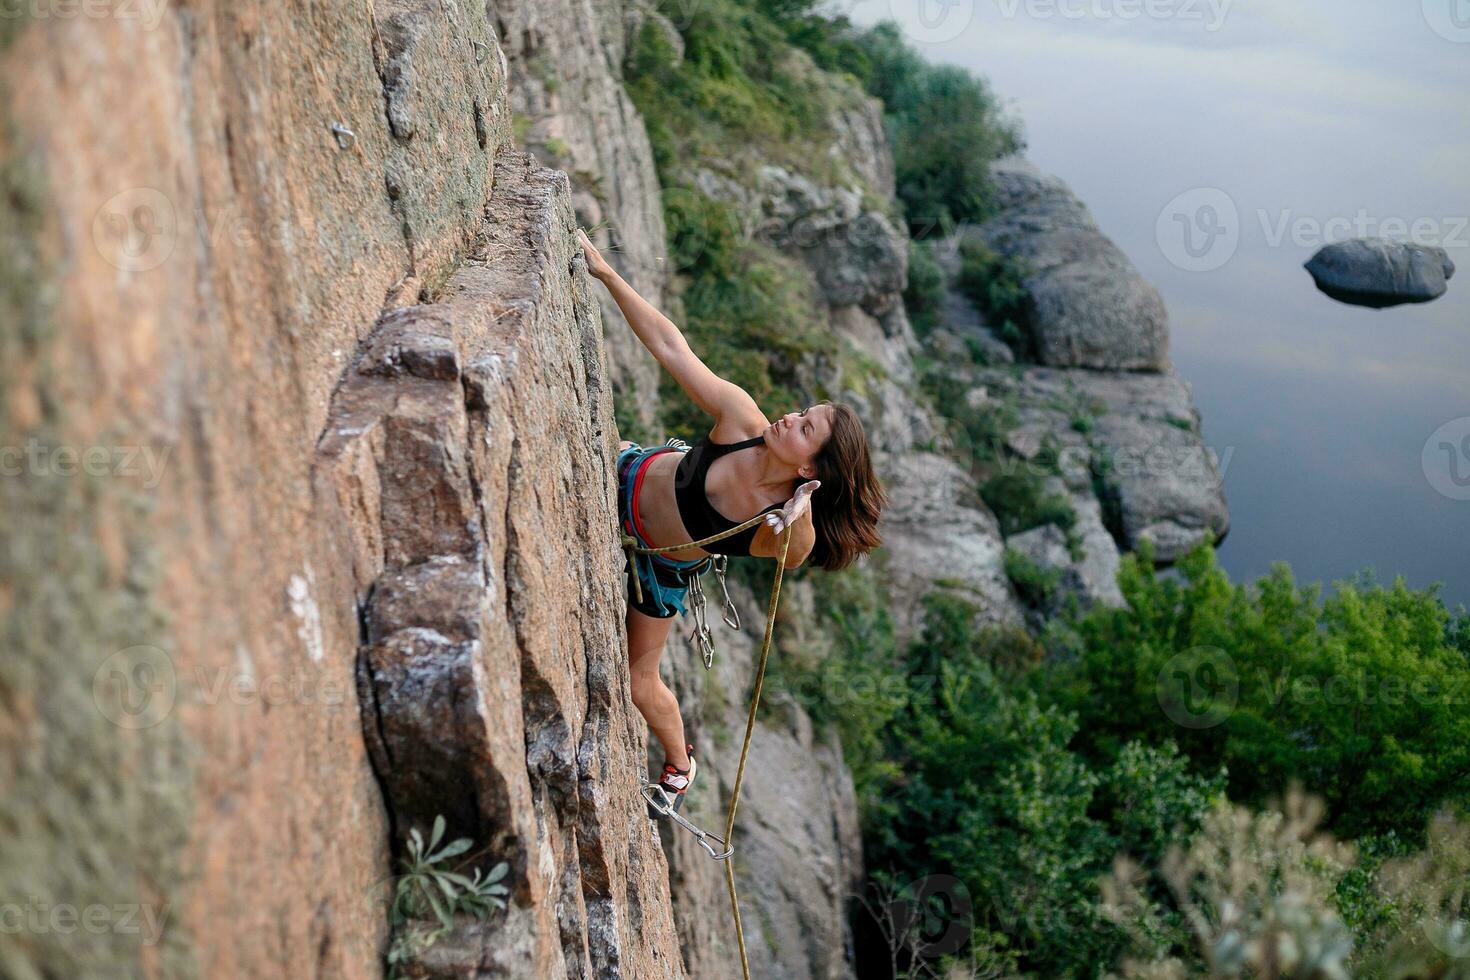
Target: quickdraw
<point x="701" y="638"/>
<point x="659" y="799"/>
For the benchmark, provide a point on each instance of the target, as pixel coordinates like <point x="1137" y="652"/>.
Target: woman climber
<point x="745" y="466"/>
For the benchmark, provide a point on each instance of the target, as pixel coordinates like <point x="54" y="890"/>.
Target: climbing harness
<point x="704" y="837"/>
<point x="701" y="638"/>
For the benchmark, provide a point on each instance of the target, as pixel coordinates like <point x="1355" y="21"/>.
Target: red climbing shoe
<point x="676" y="781"/>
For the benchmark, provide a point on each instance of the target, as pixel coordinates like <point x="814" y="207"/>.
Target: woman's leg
<point x="646" y="636"/>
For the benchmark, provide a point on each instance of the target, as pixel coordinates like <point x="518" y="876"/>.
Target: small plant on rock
<point x="429" y="892"/>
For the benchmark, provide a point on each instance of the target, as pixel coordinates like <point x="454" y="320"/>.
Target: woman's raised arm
<point x="712" y="393"/>
<point x="652" y="327"/>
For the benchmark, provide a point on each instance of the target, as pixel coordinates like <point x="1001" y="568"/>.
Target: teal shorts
<point x="665" y="581"/>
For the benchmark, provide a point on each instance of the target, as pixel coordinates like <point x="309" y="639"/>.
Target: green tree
<point x="1361" y="696"/>
<point x="945" y="127"/>
<point x="991" y="792"/>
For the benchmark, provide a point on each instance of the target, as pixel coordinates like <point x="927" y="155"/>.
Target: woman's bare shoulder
<point x="739" y="425"/>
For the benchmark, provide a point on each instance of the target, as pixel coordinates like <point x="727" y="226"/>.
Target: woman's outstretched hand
<point x="799" y="504"/>
<point x="596" y="264"/>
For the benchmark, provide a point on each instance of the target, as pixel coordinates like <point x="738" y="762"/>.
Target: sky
<point x="1220" y="144"/>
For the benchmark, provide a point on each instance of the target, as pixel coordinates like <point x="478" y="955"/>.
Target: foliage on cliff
<point x="1360" y="695"/>
<point x="945" y="125"/>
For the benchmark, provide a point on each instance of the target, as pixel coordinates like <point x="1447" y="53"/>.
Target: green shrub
<point x="991" y="792"/>
<point x="977" y="431"/>
<point x="1250" y="896"/>
<point x="1270" y="894"/>
<point x="830" y="39"/>
<point x="996" y="286"/>
<point x="924" y="296"/>
<point x="737" y="88"/>
<point x="851" y="682"/>
<point x="1020" y="501"/>
<point x="945" y="127"/>
<point x="738" y="95"/>
<point x="428" y="895"/>
<point x="1033" y="583"/>
<point x="1360" y="695"/>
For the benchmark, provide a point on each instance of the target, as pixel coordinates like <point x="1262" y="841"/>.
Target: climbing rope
<point x="632" y="547"/>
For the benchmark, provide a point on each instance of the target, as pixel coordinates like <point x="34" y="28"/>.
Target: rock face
<point x="1376" y="272"/>
<point x="372" y="575"/>
<point x="942" y="537"/>
<point x="493" y="693"/>
<point x="1090" y="307"/>
<point x="1143" y="452"/>
<point x="798" y="852"/>
<point x="1091" y="578"/>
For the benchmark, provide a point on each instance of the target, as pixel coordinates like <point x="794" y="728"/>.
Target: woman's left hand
<point x="799" y="504"/>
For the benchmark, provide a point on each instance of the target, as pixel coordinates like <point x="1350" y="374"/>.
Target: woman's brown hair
<point x="846" y="507"/>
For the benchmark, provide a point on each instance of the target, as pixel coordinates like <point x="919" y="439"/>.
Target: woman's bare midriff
<point x="658" y="508"/>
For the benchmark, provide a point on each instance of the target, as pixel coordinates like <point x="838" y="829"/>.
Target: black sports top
<point x="700" y="518"/>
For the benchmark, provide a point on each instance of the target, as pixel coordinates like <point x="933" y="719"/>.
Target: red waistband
<point x="638" y="473"/>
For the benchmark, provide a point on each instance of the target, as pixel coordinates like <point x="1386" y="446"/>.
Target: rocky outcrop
<point x="1123" y="448"/>
<point x="1087" y="571"/>
<point x="1376" y="272"/>
<point x="1142" y="450"/>
<point x="492" y="684"/>
<point x="1089" y="306"/>
<point x="939" y="536"/>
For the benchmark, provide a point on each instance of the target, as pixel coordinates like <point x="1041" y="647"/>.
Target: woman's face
<point x="797" y="436"/>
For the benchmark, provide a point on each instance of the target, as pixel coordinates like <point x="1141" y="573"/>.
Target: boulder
<point x="1089" y="306"/>
<point x="1378" y="273"/>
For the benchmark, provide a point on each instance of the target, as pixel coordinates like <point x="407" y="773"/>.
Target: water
<point x="1314" y="121"/>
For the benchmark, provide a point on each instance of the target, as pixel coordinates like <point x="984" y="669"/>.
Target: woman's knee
<point x="650" y="693"/>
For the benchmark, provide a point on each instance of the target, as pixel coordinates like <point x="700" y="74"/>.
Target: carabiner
<point x="665" y="808"/>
